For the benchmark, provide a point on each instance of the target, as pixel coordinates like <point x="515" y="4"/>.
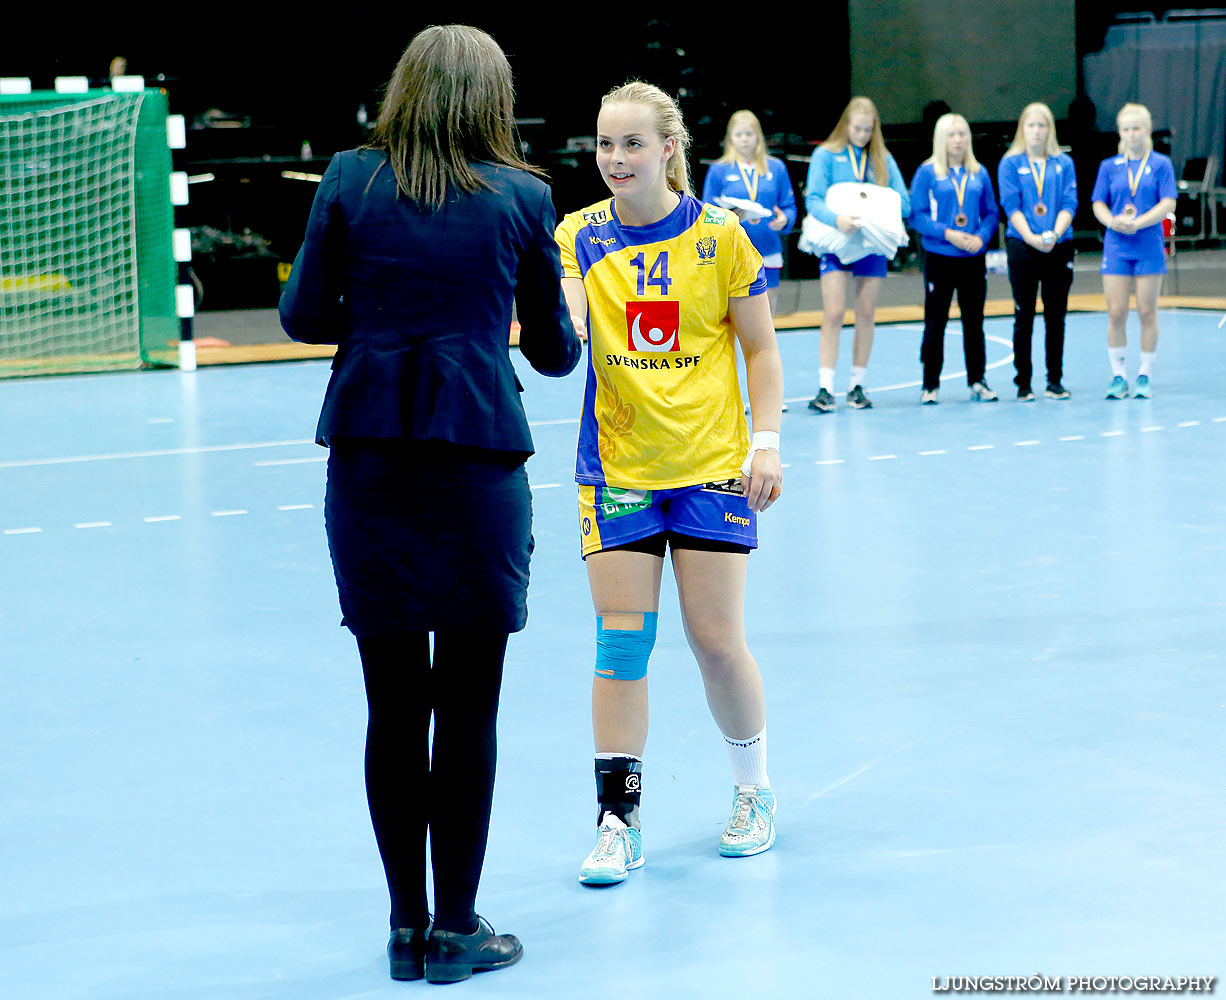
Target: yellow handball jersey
<point x="662" y="407"/>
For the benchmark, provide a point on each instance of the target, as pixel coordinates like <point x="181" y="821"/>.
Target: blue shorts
<point x="610" y="517"/>
<point x="1115" y="264"/>
<point x="872" y="266"/>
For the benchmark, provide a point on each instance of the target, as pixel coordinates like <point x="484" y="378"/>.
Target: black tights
<point x="449" y="787"/>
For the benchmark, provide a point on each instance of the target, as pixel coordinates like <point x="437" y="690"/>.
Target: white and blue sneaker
<point x="981" y="392"/>
<point x="751" y="827"/>
<point x="1118" y="388"/>
<point x="1142" y="390"/>
<point x="618" y="851"/>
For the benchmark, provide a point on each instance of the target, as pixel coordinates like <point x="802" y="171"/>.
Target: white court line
<point x="203" y="449"/>
<point x="1073" y="437"/>
<point x="935" y="451"/>
<point x="1113" y="434"/>
<point x="162" y="517"/>
<point x="293" y="461"/>
<point x="554" y="423"/>
<point x="94" y="524"/>
<point x="981" y="447"/>
<point x="545" y="486"/>
<point x="296" y="506"/>
<point x="1219" y="420"/>
<point x="22" y="531"/>
<point x="1025" y="444"/>
<point x="829" y="461"/>
<point x="880" y="458"/>
<point x="161" y="420"/>
<point x="1147" y="430"/>
<point x="228" y="513"/>
<point x="859" y="771"/>
<point x="1188" y="423"/>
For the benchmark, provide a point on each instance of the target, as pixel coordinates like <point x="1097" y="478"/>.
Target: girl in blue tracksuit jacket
<point x="854" y="151"/>
<point x="953" y="207"/>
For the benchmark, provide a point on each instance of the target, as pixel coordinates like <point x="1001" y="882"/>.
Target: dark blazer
<point x="420" y="304"/>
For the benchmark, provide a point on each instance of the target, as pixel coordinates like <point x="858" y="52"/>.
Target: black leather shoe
<point x="451" y="957"/>
<point x="406" y="951"/>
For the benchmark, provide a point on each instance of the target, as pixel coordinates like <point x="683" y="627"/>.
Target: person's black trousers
<point x="1029" y="271"/>
<point x="943" y="276"/>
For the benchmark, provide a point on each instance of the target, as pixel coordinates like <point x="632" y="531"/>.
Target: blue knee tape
<point x="622" y="655"/>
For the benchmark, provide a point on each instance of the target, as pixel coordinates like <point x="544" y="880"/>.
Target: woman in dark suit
<point x="415" y="248"/>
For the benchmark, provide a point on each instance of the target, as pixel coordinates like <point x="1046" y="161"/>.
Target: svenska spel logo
<point x="653" y="326"/>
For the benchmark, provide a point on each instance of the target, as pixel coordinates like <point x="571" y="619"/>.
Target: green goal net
<point x="87" y="270"/>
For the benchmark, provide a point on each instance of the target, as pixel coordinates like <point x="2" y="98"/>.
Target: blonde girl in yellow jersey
<point x="662" y="285"/>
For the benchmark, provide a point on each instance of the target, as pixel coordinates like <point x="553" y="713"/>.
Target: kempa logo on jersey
<point x="618" y="503"/>
<point x="597" y="241"/>
<point x="653" y="326"/>
<point x="706" y="250"/>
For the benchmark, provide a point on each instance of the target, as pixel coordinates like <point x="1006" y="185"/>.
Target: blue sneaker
<point x="1142" y="390"/>
<point x="618" y="851"/>
<point x="1118" y="388"/>
<point x="751" y="828"/>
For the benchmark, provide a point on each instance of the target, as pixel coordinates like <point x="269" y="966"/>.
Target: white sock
<point x="748" y="759"/>
<point x="1147" y="362"/>
<point x="1116" y="356"/>
<point x="857" y="376"/>
<point x="825" y="378"/>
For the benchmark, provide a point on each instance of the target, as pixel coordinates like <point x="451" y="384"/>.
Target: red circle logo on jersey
<point x="653" y="326"/>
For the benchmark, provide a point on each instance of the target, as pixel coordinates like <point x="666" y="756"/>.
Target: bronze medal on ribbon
<point x="960" y="219"/>
<point x="1130" y="210"/>
<point x="1040" y="209"/>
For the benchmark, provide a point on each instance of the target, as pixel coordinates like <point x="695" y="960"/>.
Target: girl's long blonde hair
<point x="1136" y="109"/>
<point x="838" y="141"/>
<point x="940" y="156"/>
<point x="740" y="119"/>
<point x="669" y="125"/>
<point x="449" y="102"/>
<point x="1019" y="140"/>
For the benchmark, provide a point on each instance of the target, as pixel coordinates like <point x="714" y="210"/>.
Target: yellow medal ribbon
<point x="858" y="171"/>
<point x="1135" y="182"/>
<point x="751" y="188"/>
<point x="960" y="191"/>
<point x="1039" y="172"/>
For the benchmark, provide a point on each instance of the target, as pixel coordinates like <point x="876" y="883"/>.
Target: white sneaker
<point x="983" y="393"/>
<point x="751" y="827"/>
<point x="929" y="397"/>
<point x="618" y="850"/>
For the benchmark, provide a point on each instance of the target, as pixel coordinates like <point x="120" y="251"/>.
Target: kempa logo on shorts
<point x="733" y="519"/>
<point x="618" y="503"/>
<point x="653" y="326"/>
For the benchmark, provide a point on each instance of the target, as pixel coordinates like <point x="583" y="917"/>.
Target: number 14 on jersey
<point x="658" y="275"/>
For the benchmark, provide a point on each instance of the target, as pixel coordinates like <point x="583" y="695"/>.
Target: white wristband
<point x="761" y="441"/>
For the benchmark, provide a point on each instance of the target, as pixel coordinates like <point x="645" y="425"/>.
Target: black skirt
<point x="427" y="536"/>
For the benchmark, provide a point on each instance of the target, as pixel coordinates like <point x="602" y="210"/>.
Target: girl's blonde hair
<point x="449" y="102"/>
<point x="741" y="119"/>
<point x="1143" y="111"/>
<point x="940" y="156"/>
<point x="669" y="125"/>
<point x="1019" y="140"/>
<point x="838" y="141"/>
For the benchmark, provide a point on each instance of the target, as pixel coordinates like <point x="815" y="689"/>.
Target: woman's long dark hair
<point x="450" y="101"/>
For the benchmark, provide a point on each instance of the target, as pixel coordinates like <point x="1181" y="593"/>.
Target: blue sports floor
<point x="992" y="636"/>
